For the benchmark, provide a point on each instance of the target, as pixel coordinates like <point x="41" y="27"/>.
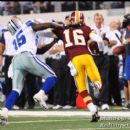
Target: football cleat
<point x="57" y="107"/>
<point x="3" y="120"/>
<point x="4" y="116"/>
<point x="95" y="117"/>
<point x="41" y="98"/>
<point x="105" y="107"/>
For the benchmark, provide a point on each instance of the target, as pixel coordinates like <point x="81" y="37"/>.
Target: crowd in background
<point x="26" y="7"/>
<point x="64" y="93"/>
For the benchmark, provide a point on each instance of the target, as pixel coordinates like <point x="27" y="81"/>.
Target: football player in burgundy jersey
<point x="75" y="37"/>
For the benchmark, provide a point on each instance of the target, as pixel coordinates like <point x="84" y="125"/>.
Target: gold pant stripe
<point x="87" y="99"/>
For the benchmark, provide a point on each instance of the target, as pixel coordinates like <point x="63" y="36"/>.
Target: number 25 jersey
<point x="75" y="40"/>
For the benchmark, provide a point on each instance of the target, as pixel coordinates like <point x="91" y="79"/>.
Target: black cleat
<point x="95" y="117"/>
<point x="3" y="120"/>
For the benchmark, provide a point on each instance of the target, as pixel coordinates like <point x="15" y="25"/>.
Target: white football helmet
<point x="14" y="24"/>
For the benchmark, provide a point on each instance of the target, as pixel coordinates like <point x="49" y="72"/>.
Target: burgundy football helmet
<point x="77" y="17"/>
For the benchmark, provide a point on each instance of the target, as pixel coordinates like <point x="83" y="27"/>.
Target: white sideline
<point x="95" y="129"/>
<point x="67" y="113"/>
<point x="36" y="121"/>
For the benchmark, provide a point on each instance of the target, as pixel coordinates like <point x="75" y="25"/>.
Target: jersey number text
<point x="20" y="40"/>
<point x="77" y="35"/>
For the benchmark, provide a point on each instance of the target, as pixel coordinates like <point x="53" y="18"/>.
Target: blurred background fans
<point x="26" y="7"/>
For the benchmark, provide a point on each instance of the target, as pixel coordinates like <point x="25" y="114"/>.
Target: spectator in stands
<point x="114" y="40"/>
<point x="36" y="6"/>
<point x="105" y="5"/>
<point x="126" y="26"/>
<point x="25" y="7"/>
<point x="98" y="4"/>
<point x="126" y="105"/>
<point x="85" y="5"/>
<point x="102" y="61"/>
<point x="117" y="4"/>
<point x="40" y="7"/>
<point x="13" y="7"/>
<point x="8" y="51"/>
<point x="68" y="6"/>
<point x="47" y="6"/>
<point x="2" y="7"/>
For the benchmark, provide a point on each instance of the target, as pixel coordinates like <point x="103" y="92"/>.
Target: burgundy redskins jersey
<point x="75" y="40"/>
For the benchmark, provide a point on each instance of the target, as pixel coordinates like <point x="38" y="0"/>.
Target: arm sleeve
<point x="47" y="47"/>
<point x="45" y="34"/>
<point x="58" y="33"/>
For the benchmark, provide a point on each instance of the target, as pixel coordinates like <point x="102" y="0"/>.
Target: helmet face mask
<point x="14" y="24"/>
<point x="77" y="17"/>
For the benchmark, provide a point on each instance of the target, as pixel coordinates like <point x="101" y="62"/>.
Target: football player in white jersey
<point x="25" y="60"/>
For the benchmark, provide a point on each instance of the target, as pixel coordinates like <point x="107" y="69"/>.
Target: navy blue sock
<point x="48" y="84"/>
<point x="11" y="99"/>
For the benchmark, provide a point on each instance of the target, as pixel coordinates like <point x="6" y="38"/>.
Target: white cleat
<point x="57" y="107"/>
<point x="41" y="98"/>
<point x="68" y="107"/>
<point x="4" y="116"/>
<point x="105" y="107"/>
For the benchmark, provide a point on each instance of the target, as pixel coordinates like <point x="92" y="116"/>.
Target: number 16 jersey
<point x="75" y="40"/>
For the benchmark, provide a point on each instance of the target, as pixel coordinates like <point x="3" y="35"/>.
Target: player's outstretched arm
<point x="42" y="26"/>
<point x="47" y="47"/>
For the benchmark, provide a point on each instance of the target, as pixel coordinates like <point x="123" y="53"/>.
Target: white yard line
<point x="71" y="120"/>
<point x="36" y="121"/>
<point x="96" y="129"/>
<point x="67" y="113"/>
<point x="77" y="115"/>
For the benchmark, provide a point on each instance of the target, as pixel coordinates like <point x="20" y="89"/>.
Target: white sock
<point x="92" y="108"/>
<point x="5" y="109"/>
<point x="42" y="92"/>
